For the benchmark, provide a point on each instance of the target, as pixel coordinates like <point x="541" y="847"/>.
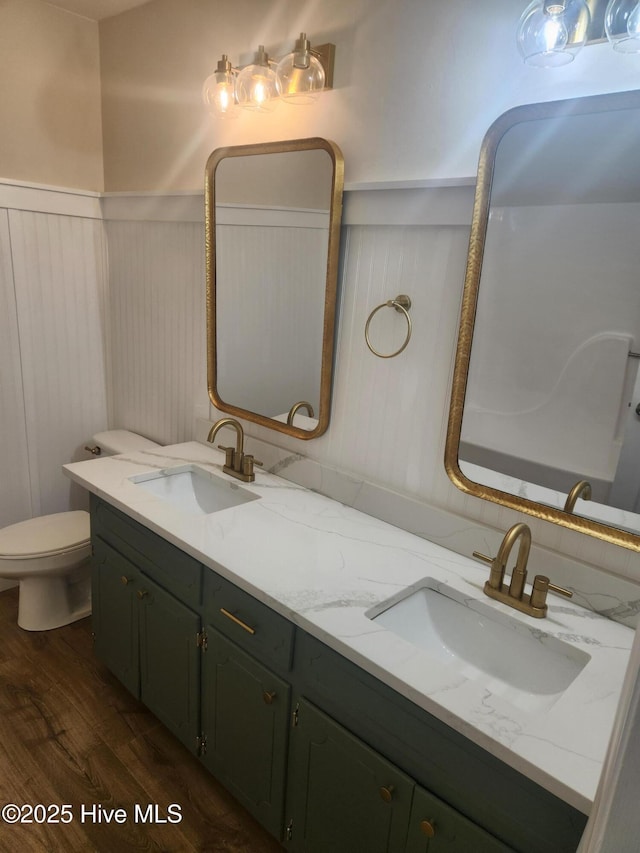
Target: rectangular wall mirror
<point x="272" y="220"/>
<point x="543" y="413"/>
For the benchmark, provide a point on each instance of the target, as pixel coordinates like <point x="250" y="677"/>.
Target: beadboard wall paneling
<point x="157" y="327"/>
<point x="388" y="412"/>
<point x="15" y="491"/>
<point x="388" y="416"/>
<point x="59" y="267"/>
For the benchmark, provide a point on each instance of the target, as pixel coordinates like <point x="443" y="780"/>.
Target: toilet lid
<point x="47" y="534"/>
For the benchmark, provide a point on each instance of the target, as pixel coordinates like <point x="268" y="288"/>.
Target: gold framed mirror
<point x="545" y="414"/>
<point x="272" y="232"/>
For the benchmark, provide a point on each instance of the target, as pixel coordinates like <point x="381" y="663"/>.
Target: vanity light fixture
<point x="622" y="25"/>
<point x="552" y="32"/>
<point x="256" y="87"/>
<point x="297" y="78"/>
<point x="219" y="90"/>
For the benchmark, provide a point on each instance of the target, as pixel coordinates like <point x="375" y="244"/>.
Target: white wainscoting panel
<point x="15" y="491"/>
<point x="157" y="327"/>
<point x="59" y="272"/>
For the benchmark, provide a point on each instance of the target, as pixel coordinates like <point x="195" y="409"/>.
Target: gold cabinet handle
<point x="125" y="580"/>
<point x="428" y="828"/>
<point x="142" y="593"/>
<point x="268" y="697"/>
<point x="386" y="792"/>
<point x="237" y="621"/>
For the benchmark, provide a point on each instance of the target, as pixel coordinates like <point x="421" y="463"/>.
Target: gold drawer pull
<point x="142" y="593"/>
<point x="239" y="622"/>
<point x="125" y="580"/>
<point x="386" y="792"/>
<point x="268" y="697"/>
<point x="428" y="827"/>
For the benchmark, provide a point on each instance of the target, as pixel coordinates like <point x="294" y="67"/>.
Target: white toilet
<point x="49" y="555"/>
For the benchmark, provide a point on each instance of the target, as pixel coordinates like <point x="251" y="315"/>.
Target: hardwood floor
<point x="71" y="734"/>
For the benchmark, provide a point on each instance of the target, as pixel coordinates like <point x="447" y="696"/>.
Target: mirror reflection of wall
<point x="275" y="269"/>
<point x="551" y="388"/>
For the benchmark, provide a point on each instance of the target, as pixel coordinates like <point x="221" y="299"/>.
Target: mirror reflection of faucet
<point x="513" y="594"/>
<point x="296" y="408"/>
<point x="237" y="463"/>
<point x="582" y="489"/>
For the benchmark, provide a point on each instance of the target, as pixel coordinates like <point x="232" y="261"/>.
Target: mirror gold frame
<point x="480" y="219"/>
<point x="329" y="321"/>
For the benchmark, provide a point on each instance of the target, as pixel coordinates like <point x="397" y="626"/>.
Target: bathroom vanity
<point x="253" y="633"/>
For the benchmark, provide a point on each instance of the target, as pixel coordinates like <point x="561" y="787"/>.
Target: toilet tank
<point x="114" y="441"/>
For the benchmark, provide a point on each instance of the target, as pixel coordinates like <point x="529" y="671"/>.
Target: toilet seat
<point x="45" y="536"/>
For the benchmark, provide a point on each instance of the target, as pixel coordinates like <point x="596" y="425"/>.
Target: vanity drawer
<point x="251" y="624"/>
<point x="170" y="567"/>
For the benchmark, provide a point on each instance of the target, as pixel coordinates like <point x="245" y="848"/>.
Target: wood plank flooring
<point x="71" y="734"/>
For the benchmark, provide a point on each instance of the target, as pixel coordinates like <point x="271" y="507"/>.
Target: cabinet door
<point x="115" y="614"/>
<point x="342" y="796"/>
<point x="434" y="827"/>
<point x="169" y="660"/>
<point x="245" y="719"/>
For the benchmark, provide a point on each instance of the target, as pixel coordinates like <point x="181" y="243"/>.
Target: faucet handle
<point x="542" y="585"/>
<point x="248" y="461"/>
<point x="496" y="575"/>
<point x="229" y="455"/>
<point x="483" y="557"/>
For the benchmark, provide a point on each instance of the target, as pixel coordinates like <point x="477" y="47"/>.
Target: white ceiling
<point x="96" y="9"/>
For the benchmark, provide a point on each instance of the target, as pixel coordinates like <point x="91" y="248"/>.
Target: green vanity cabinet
<point x="434" y="827"/>
<point x="169" y="661"/>
<point x="326" y="756"/>
<point x="145" y="635"/>
<point x="246" y="697"/>
<point x="342" y="796"/>
<point x="245" y="726"/>
<point x="115" y="614"/>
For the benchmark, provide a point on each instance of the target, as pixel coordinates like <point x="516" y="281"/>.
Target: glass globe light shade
<point x="300" y="76"/>
<point x="551" y="33"/>
<point x="622" y="25"/>
<point x="256" y="87"/>
<point x="218" y="91"/>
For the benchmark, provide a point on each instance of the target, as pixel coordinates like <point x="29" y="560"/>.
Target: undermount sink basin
<point x="193" y="490"/>
<point x="514" y="660"/>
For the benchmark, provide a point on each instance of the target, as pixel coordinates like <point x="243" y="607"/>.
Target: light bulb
<point x="622" y="25"/>
<point x="551" y="33"/>
<point x="256" y="85"/>
<point x="300" y="76"/>
<point x="218" y="91"/>
<point x="554" y="33"/>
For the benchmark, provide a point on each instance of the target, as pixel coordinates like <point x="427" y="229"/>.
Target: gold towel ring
<point x="400" y="303"/>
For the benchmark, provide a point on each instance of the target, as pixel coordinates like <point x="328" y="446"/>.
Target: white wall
<point x="52" y="280"/>
<point x="15" y="497"/>
<point x="389" y="417"/>
<point x="50" y="107"/>
<point x="157" y="327"/>
<point x="417" y="83"/>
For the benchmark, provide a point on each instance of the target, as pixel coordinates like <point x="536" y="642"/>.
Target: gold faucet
<point x="514" y="594"/>
<point x="237" y="463"/>
<point x="582" y="489"/>
<point x="296" y="406"/>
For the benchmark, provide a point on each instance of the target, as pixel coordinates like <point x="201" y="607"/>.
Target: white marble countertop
<point x="325" y="566"/>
